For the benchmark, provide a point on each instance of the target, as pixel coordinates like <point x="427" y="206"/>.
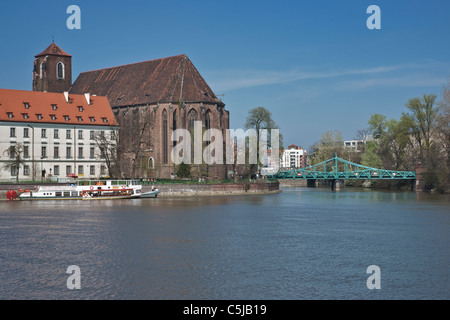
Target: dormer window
<point x="54" y="107"/>
<point x="80" y="119"/>
<point x="53" y="116"/>
<point x="92" y="119"/>
<point x="66" y="118"/>
<point x="80" y="108"/>
<point x="25" y="115"/>
<point x="26" y="105"/>
<point x="39" y="116"/>
<point x="105" y="120"/>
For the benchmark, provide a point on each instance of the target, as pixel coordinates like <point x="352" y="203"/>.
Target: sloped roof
<point x="54" y="50"/>
<point x="171" y="79"/>
<point x="40" y="108"/>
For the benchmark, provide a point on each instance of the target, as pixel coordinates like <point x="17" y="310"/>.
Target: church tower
<point x="52" y="70"/>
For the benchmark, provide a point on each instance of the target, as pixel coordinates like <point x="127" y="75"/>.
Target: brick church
<point x="150" y="100"/>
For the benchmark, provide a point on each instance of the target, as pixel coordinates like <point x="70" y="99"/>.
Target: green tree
<point x="183" y="170"/>
<point x="370" y="158"/>
<point x="260" y="118"/>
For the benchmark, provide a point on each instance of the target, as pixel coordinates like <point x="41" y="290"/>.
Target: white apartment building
<point x="55" y="133"/>
<point x="293" y="157"/>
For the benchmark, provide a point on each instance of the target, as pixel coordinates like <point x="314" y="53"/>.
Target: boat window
<point x="66" y="193"/>
<point x="58" y="193"/>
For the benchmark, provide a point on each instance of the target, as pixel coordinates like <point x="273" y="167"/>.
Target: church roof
<point x="54" y="50"/>
<point x="55" y="108"/>
<point x="171" y="79"/>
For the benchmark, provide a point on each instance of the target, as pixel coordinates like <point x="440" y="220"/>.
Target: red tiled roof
<point x="54" y="50"/>
<point x="171" y="79"/>
<point x="41" y="108"/>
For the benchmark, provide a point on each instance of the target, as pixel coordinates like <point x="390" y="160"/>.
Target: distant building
<point x="357" y="144"/>
<point x="56" y="134"/>
<point x="293" y="157"/>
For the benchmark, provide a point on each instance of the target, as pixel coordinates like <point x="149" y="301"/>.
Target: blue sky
<point x="314" y="64"/>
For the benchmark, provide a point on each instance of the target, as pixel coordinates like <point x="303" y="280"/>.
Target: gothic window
<point x="41" y="70"/>
<point x="208" y="124"/>
<point x="208" y="119"/>
<point x="192" y="117"/>
<point x="165" y="137"/>
<point x="174" y="125"/>
<point x="60" y="70"/>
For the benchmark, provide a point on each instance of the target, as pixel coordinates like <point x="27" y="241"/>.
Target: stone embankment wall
<point x="170" y="190"/>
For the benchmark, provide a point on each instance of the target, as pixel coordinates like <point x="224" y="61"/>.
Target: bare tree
<point x="15" y="153"/>
<point x="109" y="150"/>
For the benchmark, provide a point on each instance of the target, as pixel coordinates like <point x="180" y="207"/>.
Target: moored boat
<point x="85" y="190"/>
<point x="150" y="194"/>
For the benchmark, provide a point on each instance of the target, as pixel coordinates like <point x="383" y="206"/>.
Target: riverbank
<point x="186" y="190"/>
<point x="214" y="190"/>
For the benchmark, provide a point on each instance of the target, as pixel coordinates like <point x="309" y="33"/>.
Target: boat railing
<point x="108" y="183"/>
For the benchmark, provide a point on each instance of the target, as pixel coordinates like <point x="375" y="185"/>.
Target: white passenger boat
<point x="85" y="190"/>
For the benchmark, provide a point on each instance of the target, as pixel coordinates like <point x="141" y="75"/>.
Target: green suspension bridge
<point x="340" y="169"/>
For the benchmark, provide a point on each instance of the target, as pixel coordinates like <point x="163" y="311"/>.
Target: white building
<point x="56" y="134"/>
<point x="293" y="157"/>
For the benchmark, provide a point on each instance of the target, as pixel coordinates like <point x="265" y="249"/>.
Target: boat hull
<point x="150" y="194"/>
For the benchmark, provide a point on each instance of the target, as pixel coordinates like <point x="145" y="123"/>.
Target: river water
<point x="302" y="243"/>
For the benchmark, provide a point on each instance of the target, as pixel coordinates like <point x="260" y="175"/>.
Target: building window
<point x="56" y="152"/>
<point x="105" y="120"/>
<point x="25" y="133"/>
<point x="26" y="170"/>
<point x="80" y="170"/>
<point x="80" y="108"/>
<point x="60" y="70"/>
<point x="13" y="171"/>
<point x="66" y="118"/>
<point x="56" y="134"/>
<point x="41" y="70"/>
<point x="39" y="116"/>
<point x="102" y="134"/>
<point x="12" y="132"/>
<point x="92" y="170"/>
<point x="68" y="134"/>
<point x="80" y="152"/>
<point x="92" y="119"/>
<point x="10" y="115"/>
<point x="80" y="119"/>
<point x="25" y="115"/>
<point x="102" y="170"/>
<point x="12" y="152"/>
<point x="165" y="137"/>
<point x="43" y="152"/>
<point x="43" y="133"/>
<point x="26" y="153"/>
<point x="174" y="126"/>
<point x="91" y="135"/>
<point x="113" y="135"/>
<point x="68" y="170"/>
<point x="53" y="117"/>
<point x="92" y="153"/>
<point x="56" y="170"/>
<point x="68" y="152"/>
<point x="192" y="117"/>
<point x="54" y="107"/>
<point x="80" y="134"/>
<point x="26" y="105"/>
